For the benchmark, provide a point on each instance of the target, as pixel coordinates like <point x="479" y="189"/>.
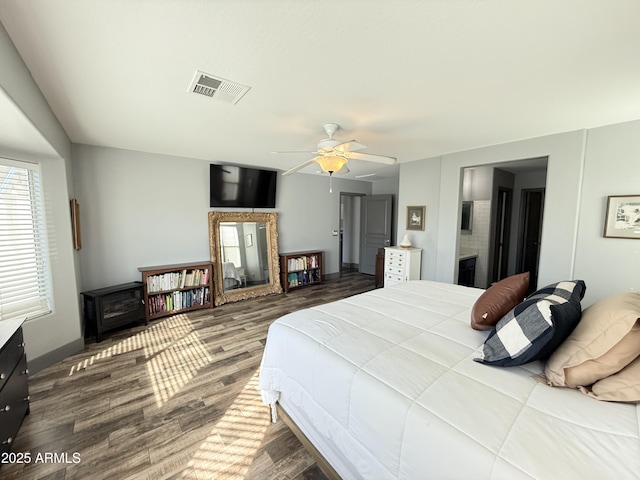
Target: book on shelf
<point x="302" y="263"/>
<point x="165" y="281"/>
<point x="178" y="300"/>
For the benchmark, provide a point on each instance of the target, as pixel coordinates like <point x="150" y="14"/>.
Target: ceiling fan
<point x="332" y="155"/>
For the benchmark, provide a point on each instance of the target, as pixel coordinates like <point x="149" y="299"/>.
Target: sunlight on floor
<point x="172" y="368"/>
<point x="175" y="354"/>
<point x="174" y="351"/>
<point x="235" y="439"/>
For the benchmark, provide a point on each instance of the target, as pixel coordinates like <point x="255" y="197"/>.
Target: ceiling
<point x="410" y="79"/>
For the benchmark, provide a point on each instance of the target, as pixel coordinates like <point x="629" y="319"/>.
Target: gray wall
<point x="41" y="139"/>
<point x="583" y="168"/>
<point x="142" y="209"/>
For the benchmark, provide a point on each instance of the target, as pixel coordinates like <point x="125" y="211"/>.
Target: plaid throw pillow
<point x="533" y="329"/>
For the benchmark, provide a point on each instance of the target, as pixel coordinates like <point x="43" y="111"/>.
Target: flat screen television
<point x="243" y="187"/>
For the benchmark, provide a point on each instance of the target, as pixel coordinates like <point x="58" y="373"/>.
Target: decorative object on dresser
<point x="14" y="388"/>
<point x="401" y="265"/>
<point x="405" y="243"/>
<point x="111" y="307"/>
<point x="243" y="269"/>
<point x="177" y="288"/>
<point x="300" y="269"/>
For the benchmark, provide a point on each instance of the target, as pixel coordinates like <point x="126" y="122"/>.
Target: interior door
<point x="375" y="229"/>
<point x="530" y="234"/>
<point x="501" y="234"/>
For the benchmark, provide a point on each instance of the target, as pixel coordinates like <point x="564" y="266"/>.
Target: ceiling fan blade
<point x="297" y="151"/>
<point x="343" y="171"/>
<point x="299" y="167"/>
<point x="350" y="146"/>
<point x="371" y="157"/>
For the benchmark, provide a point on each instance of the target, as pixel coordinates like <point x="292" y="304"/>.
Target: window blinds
<point x="25" y="286"/>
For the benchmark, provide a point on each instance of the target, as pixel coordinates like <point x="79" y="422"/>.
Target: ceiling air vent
<point x="217" y="88"/>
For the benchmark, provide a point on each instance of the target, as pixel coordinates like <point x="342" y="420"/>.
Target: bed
<point x="384" y="385"/>
<point x="230" y="276"/>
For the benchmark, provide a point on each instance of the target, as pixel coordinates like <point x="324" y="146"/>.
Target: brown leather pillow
<point x="499" y="298"/>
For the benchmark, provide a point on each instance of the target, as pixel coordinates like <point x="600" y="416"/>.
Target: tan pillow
<point x="621" y="354"/>
<point x="598" y="347"/>
<point x="623" y="386"/>
<point x="498" y="300"/>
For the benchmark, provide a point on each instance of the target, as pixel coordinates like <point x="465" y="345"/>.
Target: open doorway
<point x="349" y="235"/>
<point x="504" y="238"/>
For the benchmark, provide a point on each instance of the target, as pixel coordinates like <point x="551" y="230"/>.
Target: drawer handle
<point x="21" y="345"/>
<point x="2" y="376"/>
<point x="8" y="441"/>
<point x="27" y="398"/>
<point x="25" y="371"/>
<point x="5" y="409"/>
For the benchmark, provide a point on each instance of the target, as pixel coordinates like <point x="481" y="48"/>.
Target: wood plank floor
<point x="177" y="399"/>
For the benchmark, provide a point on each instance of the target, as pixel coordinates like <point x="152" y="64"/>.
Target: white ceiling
<point x="411" y="79"/>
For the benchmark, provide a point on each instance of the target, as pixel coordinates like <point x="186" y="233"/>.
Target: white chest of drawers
<point x="401" y="265"/>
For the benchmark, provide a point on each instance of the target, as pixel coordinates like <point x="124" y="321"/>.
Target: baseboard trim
<point x="54" y="356"/>
<point x="329" y="276"/>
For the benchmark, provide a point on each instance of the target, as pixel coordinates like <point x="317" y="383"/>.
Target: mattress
<point x="385" y="386"/>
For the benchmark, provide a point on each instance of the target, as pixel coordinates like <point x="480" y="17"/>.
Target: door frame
<point x="354" y="228"/>
<point x="502" y="230"/>
<point x="524" y="206"/>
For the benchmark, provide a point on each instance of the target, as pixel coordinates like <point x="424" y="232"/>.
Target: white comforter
<point x="384" y="384"/>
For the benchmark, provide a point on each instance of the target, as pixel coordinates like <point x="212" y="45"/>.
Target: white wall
<point x="419" y="184"/>
<point x="308" y="214"/>
<point x="42" y="139"/>
<point x="612" y="167"/>
<point x="572" y="245"/>
<point x="142" y="209"/>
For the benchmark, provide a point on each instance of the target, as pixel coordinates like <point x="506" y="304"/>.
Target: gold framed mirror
<point x="244" y="250"/>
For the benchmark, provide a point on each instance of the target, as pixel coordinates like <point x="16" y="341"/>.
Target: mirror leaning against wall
<point x="244" y="251"/>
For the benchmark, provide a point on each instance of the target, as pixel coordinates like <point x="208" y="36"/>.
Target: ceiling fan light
<point x="331" y="164"/>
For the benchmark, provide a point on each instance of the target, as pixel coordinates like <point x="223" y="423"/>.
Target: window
<point x="230" y="243"/>
<point x="25" y="285"/>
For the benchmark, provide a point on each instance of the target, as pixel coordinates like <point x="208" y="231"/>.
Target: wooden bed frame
<point x="326" y="468"/>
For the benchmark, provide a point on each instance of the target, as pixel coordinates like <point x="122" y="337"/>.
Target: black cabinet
<point x="14" y="389"/>
<point x="112" y="307"/>
<point x="467" y="272"/>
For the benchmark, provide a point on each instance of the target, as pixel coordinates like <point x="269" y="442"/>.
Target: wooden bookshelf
<point x="177" y="288"/>
<point x="300" y="269"/>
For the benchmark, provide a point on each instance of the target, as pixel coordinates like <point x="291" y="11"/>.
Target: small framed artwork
<point x="75" y="224"/>
<point x="415" y="217"/>
<point x="623" y="217"/>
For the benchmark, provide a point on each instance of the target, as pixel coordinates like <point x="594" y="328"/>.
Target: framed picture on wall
<point x="75" y="224"/>
<point x="415" y="217"/>
<point x="622" y="219"/>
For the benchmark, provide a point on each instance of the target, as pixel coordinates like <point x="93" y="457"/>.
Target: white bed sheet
<point x="385" y="386"/>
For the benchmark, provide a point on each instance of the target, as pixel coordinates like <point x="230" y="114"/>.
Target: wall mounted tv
<point x="245" y="187"/>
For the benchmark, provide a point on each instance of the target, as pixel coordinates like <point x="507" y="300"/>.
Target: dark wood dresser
<point x="14" y="388"/>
